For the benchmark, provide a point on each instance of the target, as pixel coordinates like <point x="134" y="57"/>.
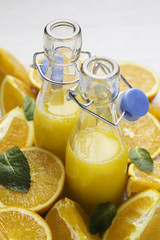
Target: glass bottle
<point x="54" y="116"/>
<point x="96" y="155"/>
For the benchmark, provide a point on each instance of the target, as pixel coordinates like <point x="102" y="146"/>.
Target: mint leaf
<point x="102" y="217"/>
<point x="141" y="158"/>
<point x="28" y="106"/>
<point x="15" y="170"/>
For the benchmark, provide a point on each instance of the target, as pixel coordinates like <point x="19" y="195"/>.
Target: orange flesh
<point x="140" y="180"/>
<point x="45" y="176"/>
<point x="136" y="76"/>
<point x="15" y="225"/>
<point x="125" y="222"/>
<point x="144" y="133"/>
<point x="152" y="230"/>
<point x="13" y="95"/>
<point x="12" y="139"/>
<point x="68" y="221"/>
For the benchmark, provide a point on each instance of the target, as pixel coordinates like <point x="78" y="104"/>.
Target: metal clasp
<point x="71" y="95"/>
<point x="37" y="66"/>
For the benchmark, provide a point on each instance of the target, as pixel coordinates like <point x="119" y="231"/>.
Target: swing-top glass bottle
<point x="54" y="116"/>
<point x="96" y="155"/>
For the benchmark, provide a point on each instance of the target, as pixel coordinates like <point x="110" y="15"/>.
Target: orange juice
<point x="53" y="122"/>
<point x="96" y="167"/>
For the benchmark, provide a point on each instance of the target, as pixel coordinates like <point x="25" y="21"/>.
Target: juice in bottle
<point x="54" y="116"/>
<point x="96" y="155"/>
<point x="96" y="168"/>
<point x="53" y="122"/>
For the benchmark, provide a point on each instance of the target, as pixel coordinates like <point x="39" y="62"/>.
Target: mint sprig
<point x="102" y="217"/>
<point x="15" y="170"/>
<point x="28" y="106"/>
<point x="141" y="158"/>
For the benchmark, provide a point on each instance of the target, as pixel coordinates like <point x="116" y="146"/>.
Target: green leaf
<point x="28" y="106"/>
<point x="141" y="158"/>
<point x="102" y="217"/>
<point x="15" y="170"/>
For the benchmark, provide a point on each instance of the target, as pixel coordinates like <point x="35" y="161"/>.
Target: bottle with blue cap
<point x="54" y="116"/>
<point x="96" y="155"/>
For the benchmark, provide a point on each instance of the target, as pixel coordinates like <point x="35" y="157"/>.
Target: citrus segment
<point x="144" y="133"/>
<point x="152" y="230"/>
<point x="154" y="108"/>
<point x="20" y="223"/>
<point x="47" y="181"/>
<point x="133" y="217"/>
<point x="12" y="93"/>
<point x="68" y="221"/>
<point x="141" y="77"/>
<point x="140" y="180"/>
<point x="10" y="65"/>
<point x="15" y="130"/>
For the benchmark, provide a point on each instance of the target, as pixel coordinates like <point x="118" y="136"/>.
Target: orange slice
<point x="47" y="182"/>
<point x="144" y="133"/>
<point x="2" y="75"/>
<point x="140" y="180"/>
<point x="20" y="223"/>
<point x="68" y="220"/>
<point x="140" y="76"/>
<point x="137" y="219"/>
<point x="10" y="65"/>
<point x="12" y="93"/>
<point x="34" y="77"/>
<point x="154" y="108"/>
<point x="15" y="130"/>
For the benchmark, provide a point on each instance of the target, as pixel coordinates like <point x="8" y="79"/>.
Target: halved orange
<point x="47" y="182"/>
<point x="20" y="223"/>
<point x="154" y="108"/>
<point x="137" y="219"/>
<point x="140" y="180"/>
<point x="15" y="130"/>
<point x="140" y="76"/>
<point x="11" y="65"/>
<point x="68" y="220"/>
<point x="144" y="133"/>
<point x="12" y="93"/>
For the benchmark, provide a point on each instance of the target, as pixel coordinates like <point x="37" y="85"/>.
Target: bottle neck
<point x="62" y="38"/>
<point x="62" y="73"/>
<point x="100" y="80"/>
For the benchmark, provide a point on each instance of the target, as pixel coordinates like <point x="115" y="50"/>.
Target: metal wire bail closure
<point x="38" y="66"/>
<point x="110" y="72"/>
